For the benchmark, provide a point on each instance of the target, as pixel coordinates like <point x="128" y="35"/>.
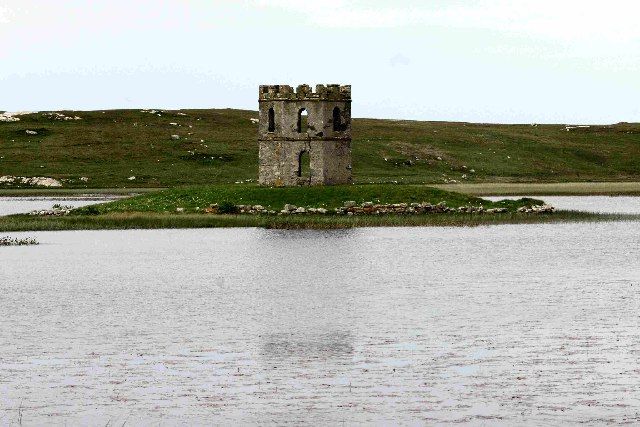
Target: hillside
<point x="108" y="148"/>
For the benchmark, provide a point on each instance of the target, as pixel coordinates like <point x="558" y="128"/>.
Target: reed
<point x="152" y="220"/>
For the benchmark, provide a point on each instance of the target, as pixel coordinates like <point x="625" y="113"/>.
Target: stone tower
<point x="305" y="136"/>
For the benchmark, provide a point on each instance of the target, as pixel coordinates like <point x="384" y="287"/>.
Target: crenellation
<point x="332" y="92"/>
<point x="303" y="91"/>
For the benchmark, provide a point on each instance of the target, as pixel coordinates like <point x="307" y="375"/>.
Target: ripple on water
<point x="500" y="325"/>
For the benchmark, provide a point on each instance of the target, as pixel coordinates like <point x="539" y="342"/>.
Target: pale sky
<point x="511" y="61"/>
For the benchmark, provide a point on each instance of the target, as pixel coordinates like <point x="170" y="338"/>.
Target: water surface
<point x="509" y="324"/>
<point x="598" y="204"/>
<point x="18" y="205"/>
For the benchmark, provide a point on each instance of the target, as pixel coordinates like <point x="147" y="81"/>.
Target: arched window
<point x="272" y="120"/>
<point x="303" y="120"/>
<point x="337" y="120"/>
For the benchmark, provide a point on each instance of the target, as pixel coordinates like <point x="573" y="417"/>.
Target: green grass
<point x="111" y="146"/>
<point x="123" y="221"/>
<point x="198" y="198"/>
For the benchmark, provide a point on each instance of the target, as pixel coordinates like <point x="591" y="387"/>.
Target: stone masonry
<point x="289" y="138"/>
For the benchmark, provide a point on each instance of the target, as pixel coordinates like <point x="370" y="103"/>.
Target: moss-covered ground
<point x="196" y="199"/>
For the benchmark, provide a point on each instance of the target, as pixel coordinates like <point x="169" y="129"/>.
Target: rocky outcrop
<point x="536" y="209"/>
<point x="36" y="181"/>
<point x="56" y="210"/>
<point x="59" y="116"/>
<point x="351" y="208"/>
<point x="13" y="117"/>
<point x="370" y="208"/>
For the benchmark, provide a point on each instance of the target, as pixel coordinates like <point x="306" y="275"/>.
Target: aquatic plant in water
<point x="9" y="241"/>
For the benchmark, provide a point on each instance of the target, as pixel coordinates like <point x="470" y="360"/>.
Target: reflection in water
<point x="271" y="235"/>
<point x="306" y="318"/>
<point x="280" y="347"/>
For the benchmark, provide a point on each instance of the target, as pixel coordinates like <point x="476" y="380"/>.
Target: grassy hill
<point x="219" y="146"/>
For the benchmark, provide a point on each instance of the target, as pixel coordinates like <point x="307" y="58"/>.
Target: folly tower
<point x="304" y="136"/>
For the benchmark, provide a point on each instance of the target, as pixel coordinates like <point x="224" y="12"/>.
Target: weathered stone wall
<point x="329" y="149"/>
<point x="336" y="162"/>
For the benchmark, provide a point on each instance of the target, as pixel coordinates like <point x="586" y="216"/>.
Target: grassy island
<point x="196" y="199"/>
<point x="191" y="208"/>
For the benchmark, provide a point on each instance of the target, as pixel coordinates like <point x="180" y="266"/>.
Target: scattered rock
<point x="536" y="209"/>
<point x="568" y="128"/>
<point x="370" y="208"/>
<point x="36" y="181"/>
<point x="5" y="118"/>
<point x="60" y="116"/>
<point x="56" y="210"/>
<point x="213" y="209"/>
<point x="496" y="210"/>
<point x="13" y="117"/>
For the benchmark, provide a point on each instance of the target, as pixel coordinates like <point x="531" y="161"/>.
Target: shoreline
<point x="74" y="192"/>
<point x="619" y="188"/>
<point x="125" y="221"/>
<point x="601" y="188"/>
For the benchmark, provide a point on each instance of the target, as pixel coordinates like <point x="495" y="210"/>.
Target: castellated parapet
<point x="304" y="135"/>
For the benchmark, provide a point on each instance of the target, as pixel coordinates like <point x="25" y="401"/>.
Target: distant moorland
<point x="135" y="149"/>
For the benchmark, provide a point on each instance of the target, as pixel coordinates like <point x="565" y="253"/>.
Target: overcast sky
<point x="554" y="61"/>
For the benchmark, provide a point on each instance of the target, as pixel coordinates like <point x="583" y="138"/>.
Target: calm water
<point x="534" y="324"/>
<point x="16" y="205"/>
<point x="600" y="204"/>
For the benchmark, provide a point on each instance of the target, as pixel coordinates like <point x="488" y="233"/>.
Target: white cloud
<point x="486" y="60"/>
<point x="565" y="19"/>
<point x="4" y="15"/>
